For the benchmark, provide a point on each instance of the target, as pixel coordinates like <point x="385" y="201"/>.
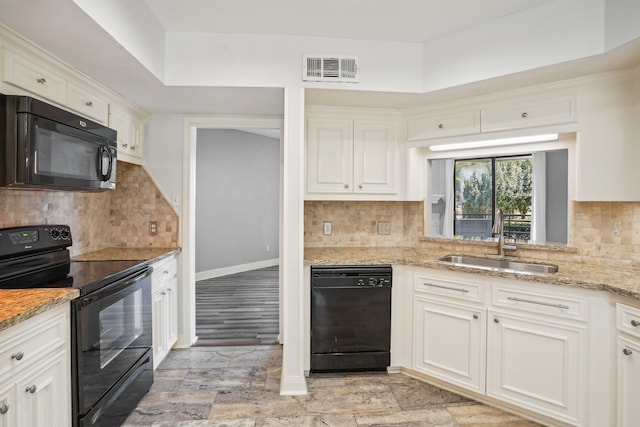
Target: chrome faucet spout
<point x="498" y="229"/>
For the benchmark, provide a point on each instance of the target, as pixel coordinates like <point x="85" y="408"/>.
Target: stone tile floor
<point x="238" y="386"/>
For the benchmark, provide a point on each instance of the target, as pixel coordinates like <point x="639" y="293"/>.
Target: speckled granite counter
<point x="17" y="305"/>
<point x="619" y="280"/>
<point x="127" y="254"/>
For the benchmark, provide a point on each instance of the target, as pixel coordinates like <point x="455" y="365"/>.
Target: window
<point x="531" y="189"/>
<point x="484" y="185"/>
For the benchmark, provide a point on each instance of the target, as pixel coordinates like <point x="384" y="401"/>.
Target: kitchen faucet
<point x="498" y="228"/>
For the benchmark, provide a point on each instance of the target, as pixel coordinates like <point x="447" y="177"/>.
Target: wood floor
<point x="239" y="309"/>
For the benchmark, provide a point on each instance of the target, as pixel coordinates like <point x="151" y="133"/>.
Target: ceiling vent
<point x="326" y="68"/>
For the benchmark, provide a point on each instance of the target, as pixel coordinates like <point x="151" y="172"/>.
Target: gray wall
<point x="237" y="198"/>
<point x="557" y="196"/>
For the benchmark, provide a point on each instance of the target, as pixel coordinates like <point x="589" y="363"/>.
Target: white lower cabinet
<point x="527" y="345"/>
<point x="537" y="364"/>
<point x="164" y="296"/>
<point x="628" y="364"/>
<point x="450" y="342"/>
<point x="35" y="366"/>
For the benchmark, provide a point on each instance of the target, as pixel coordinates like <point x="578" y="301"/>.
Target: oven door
<point x="112" y="331"/>
<point x="63" y="156"/>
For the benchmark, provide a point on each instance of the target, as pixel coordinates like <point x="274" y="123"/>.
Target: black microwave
<point x="43" y="146"/>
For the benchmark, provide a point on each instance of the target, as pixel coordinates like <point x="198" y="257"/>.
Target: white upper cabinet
<point x="375" y="156"/>
<point x="351" y="157"/>
<point x="437" y="125"/>
<point x="130" y="133"/>
<point x="32" y="75"/>
<point x="329" y="156"/>
<point x="87" y="103"/>
<point x="520" y="114"/>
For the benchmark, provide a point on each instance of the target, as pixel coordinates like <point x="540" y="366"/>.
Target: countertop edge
<point x="43" y="303"/>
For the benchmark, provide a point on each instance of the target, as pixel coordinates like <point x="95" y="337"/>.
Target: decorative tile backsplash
<point x="601" y="232"/>
<point x="98" y="220"/>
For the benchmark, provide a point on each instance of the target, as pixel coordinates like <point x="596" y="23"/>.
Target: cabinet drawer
<point x="460" y="289"/>
<point x="628" y="319"/>
<point x="87" y="104"/>
<point x="540" y="302"/>
<point x="33" y="339"/>
<point x="526" y="114"/>
<point x="33" y="76"/>
<point x="164" y="270"/>
<point x="440" y="126"/>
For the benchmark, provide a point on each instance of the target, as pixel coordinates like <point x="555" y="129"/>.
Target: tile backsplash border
<point x="606" y="233"/>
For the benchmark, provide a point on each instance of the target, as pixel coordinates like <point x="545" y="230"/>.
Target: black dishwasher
<point x="350" y="318"/>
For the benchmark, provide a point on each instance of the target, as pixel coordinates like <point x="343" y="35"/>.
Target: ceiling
<point x="388" y="20"/>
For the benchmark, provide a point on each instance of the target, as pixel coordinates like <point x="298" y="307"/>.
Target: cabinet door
<point x="449" y="342"/>
<point x="87" y="103"/>
<point x="8" y="406"/>
<point x="34" y="76"/>
<point x="538" y="365"/>
<point x="330" y="156"/>
<point x="44" y="395"/>
<point x="375" y="155"/>
<point x="465" y="122"/>
<point x="120" y="121"/>
<point x="172" y="312"/>
<point x="158" y="314"/>
<point x="530" y="113"/>
<point x="628" y="382"/>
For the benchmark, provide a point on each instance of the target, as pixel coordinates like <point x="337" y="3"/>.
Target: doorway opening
<point x="237" y="217"/>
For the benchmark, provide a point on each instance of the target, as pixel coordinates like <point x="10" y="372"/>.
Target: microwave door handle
<point x="102" y="150"/>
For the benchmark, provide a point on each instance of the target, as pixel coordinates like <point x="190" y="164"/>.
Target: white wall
<point x="237" y="198"/>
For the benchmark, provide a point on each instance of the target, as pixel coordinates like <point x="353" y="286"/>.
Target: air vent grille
<point x="330" y="68"/>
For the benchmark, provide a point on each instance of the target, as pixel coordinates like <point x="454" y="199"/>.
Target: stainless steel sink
<point x="499" y="264"/>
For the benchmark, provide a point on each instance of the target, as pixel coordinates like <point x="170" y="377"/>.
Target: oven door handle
<point x="114" y="287"/>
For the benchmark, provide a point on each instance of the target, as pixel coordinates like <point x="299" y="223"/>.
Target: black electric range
<point x="111" y="321"/>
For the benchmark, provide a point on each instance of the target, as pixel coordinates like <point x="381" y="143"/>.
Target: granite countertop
<point x="127" y="254"/>
<point x="620" y="280"/>
<point x="17" y="305"/>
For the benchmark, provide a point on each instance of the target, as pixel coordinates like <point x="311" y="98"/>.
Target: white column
<point x="292" y="245"/>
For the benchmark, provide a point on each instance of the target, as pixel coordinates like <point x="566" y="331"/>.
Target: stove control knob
<point x="55" y="234"/>
<point x="65" y="234"/>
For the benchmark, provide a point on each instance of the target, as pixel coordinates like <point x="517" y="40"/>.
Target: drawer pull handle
<point x="165" y="272"/>
<point x="31" y="389"/>
<point x="548" y="304"/>
<point x="525" y="115"/>
<point x="4" y="409"/>
<point x="125" y="145"/>
<point x="635" y="323"/>
<point x="627" y="351"/>
<point x="89" y="104"/>
<point x="17" y="356"/>
<point x="42" y="81"/>
<point x="447" y="287"/>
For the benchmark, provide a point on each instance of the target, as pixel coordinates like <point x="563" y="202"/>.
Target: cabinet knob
<point x="17" y="356"/>
<point x="125" y="145"/>
<point x="31" y="389"/>
<point x="89" y="104"/>
<point x="4" y="409"/>
<point x="496" y="320"/>
<point x="440" y="126"/>
<point x="346" y="186"/>
<point x="42" y="81"/>
<point x="475" y="316"/>
<point x="525" y="115"/>
<point x="627" y="351"/>
<point x="360" y="186"/>
<point x="635" y="323"/>
<point x="163" y="293"/>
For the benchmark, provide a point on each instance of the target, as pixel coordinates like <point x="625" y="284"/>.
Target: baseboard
<point x="234" y="269"/>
